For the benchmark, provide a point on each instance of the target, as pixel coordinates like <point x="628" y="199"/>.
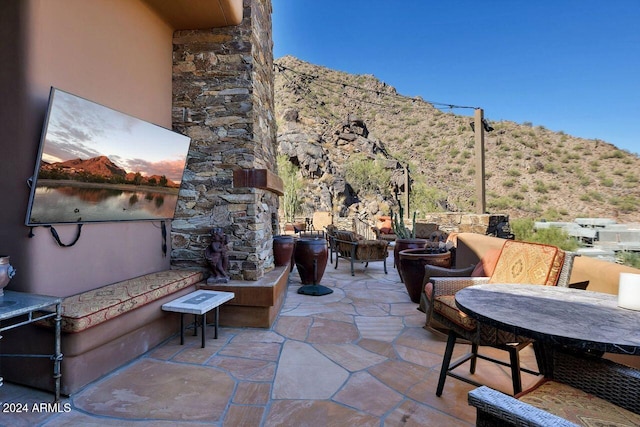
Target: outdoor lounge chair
<point x="348" y="245"/>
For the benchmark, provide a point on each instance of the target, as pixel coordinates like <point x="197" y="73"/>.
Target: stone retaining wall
<point x="223" y="100"/>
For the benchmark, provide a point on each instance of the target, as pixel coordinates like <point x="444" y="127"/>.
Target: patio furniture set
<point x="519" y="294"/>
<point x="569" y="327"/>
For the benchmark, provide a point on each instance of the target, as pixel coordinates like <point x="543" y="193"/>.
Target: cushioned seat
<point x="349" y="245"/>
<point x="96" y="306"/>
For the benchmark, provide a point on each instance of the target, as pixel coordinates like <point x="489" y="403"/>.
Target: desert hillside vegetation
<point x="350" y="138"/>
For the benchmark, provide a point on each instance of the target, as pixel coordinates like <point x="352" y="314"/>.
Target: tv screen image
<point x="96" y="164"/>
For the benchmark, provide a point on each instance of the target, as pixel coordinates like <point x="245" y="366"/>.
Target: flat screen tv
<point x="96" y="164"/>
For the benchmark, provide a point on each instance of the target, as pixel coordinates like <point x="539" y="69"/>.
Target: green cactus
<point x="397" y="224"/>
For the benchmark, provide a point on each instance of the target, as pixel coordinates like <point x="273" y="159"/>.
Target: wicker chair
<point x="519" y="262"/>
<point x="579" y="381"/>
<point x="348" y="245"/>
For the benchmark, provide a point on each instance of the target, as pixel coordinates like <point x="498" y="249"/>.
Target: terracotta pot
<point x="311" y="260"/>
<point x="411" y="266"/>
<point x="283" y="246"/>
<point x="402" y="244"/>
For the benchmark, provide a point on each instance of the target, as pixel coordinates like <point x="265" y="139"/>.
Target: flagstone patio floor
<point x="357" y="357"/>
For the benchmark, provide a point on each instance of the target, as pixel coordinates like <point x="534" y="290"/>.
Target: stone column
<point x="223" y="100"/>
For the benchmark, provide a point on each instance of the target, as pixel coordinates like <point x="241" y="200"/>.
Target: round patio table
<point x="554" y="315"/>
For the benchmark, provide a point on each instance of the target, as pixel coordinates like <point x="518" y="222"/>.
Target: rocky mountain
<point x="100" y="165"/>
<point x="331" y="124"/>
<point x="100" y="169"/>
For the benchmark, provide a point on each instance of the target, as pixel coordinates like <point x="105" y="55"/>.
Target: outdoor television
<point x="96" y="164"/>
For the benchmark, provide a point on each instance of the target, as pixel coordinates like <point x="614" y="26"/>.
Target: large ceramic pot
<point x="402" y="244"/>
<point x="283" y="246"/>
<point x="411" y="265"/>
<point x="6" y="272"/>
<point x="311" y="260"/>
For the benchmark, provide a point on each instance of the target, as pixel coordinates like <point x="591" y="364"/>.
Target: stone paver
<point x="358" y="357"/>
<point x="151" y="389"/>
<point x="305" y="373"/>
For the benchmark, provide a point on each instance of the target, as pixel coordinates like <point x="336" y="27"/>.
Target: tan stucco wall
<point x="117" y="53"/>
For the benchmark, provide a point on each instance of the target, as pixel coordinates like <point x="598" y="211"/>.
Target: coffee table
<point x="199" y="303"/>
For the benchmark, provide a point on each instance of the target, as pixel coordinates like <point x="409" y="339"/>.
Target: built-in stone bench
<point x="102" y="329"/>
<point x="256" y="303"/>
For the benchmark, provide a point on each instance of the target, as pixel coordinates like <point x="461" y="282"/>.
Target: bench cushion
<point x="82" y="311"/>
<point x="577" y="406"/>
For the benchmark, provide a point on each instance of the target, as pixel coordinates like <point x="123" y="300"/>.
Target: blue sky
<point x="82" y="129"/>
<point x="567" y="65"/>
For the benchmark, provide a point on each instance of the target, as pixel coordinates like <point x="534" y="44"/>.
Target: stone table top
<point x="198" y="302"/>
<point x="555" y="315"/>
<point x="13" y="304"/>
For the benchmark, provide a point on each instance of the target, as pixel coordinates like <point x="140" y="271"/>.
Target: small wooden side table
<point x="199" y="303"/>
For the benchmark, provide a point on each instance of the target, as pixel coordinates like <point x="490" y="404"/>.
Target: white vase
<point x="6" y="272"/>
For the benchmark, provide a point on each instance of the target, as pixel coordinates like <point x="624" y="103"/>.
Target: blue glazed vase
<point x="6" y="273"/>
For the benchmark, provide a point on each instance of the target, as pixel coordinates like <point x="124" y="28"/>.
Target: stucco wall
<point x="114" y="52"/>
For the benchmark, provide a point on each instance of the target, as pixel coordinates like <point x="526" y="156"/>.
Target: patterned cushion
<point x="446" y="306"/>
<point x="347" y="236"/>
<point x="577" y="406"/>
<point x="90" y="308"/>
<point x="532" y="263"/>
<point x="372" y="250"/>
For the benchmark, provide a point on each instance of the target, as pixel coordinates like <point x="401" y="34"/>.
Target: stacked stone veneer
<point x="223" y="100"/>
<point x="450" y="222"/>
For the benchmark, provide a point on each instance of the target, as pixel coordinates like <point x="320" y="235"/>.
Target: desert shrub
<point x="625" y="203"/>
<point x="368" y="176"/>
<point x="632" y="259"/>
<point x="607" y="182"/>
<point x="615" y="154"/>
<point x="508" y="183"/>
<point x="540" y="187"/>
<point x="288" y="172"/>
<point x="426" y="199"/>
<point x="500" y="203"/>
<point x="524" y="231"/>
